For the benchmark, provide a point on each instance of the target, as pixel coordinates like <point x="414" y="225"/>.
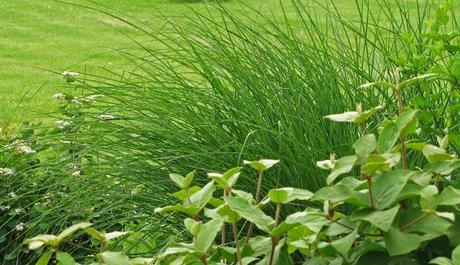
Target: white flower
<point x="6" y="171"/>
<point x="12" y="195"/>
<point x="65" y="142"/>
<point x="76" y="173"/>
<point x="20" y="227"/>
<point x="69" y="76"/>
<point x="59" y="96"/>
<point x="24" y="149"/>
<point x="76" y="101"/>
<point x="4" y="208"/>
<point x="61" y="124"/>
<point x="90" y="99"/>
<point x="17" y="210"/>
<point x="106" y="117"/>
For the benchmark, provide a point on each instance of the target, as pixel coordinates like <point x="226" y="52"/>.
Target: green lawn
<point x="36" y="35"/>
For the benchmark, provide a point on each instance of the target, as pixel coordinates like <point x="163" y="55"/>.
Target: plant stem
<point x="371" y="197"/>
<point x="275" y="239"/>
<point x="204" y="260"/>
<point x="237" y="243"/>
<point x="223" y="236"/>
<point x="401" y="139"/>
<point x="259" y="187"/>
<point x="416" y="220"/>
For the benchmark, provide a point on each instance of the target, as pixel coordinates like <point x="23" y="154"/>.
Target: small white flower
<point x="4" y="208"/>
<point x="90" y="99"/>
<point x="76" y="173"/>
<point x="69" y="76"/>
<point x="76" y="101"/>
<point x="17" y="210"/>
<point x="12" y="195"/>
<point x="6" y="171"/>
<point x="23" y="149"/>
<point x="61" y="124"/>
<point x="106" y="117"/>
<point x="59" y="96"/>
<point x="20" y="227"/>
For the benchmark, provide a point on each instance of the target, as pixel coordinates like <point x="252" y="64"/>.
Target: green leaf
<point x="434" y="153"/>
<point x="177" y="179"/>
<point x="94" y="233"/>
<point x="422" y="178"/>
<point x="192" y="226"/>
<point x="188" y="180"/>
<point x="202" y="197"/>
<point x="353" y="116"/>
<point x="72" y="229"/>
<point x="141" y="261"/>
<point x="365" y="145"/>
<point x="443" y="167"/>
<point x="40" y="240"/>
<point x="228" y="179"/>
<point x="428" y="197"/>
<point x="175" y="251"/>
<point x="114" y="258"/>
<point x="45" y="258"/>
<point x="293" y="220"/>
<point x="449" y="196"/>
<point x="228" y="214"/>
<point x="251" y="213"/>
<point x="416" y="79"/>
<point x="262" y="164"/>
<point x="114" y="235"/>
<point x="286" y="195"/>
<point x="188" y="210"/>
<point x="441" y="261"/>
<point x="399" y="243"/>
<point x="393" y="129"/>
<point x="182" y="194"/>
<point x="381" y="219"/>
<point x="344" y="244"/>
<point x="431" y="226"/>
<point x="65" y="258"/>
<point x="456" y="255"/>
<point x="341" y="166"/>
<point x="387" y="187"/>
<point x="207" y="234"/>
<point x="379" y="163"/>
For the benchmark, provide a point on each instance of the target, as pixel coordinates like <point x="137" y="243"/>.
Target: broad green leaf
<point x="422" y="178"/>
<point x="246" y="195"/>
<point x="434" y="153"/>
<point x="45" y="258"/>
<point x="441" y="261"/>
<point x="387" y="187"/>
<point x="192" y="226"/>
<point x="182" y="194"/>
<point x="393" y="129"/>
<point x="344" y="244"/>
<point x="379" y="163"/>
<point x="177" y="179"/>
<point x="292" y="220"/>
<point x="114" y="258"/>
<point x="207" y="234"/>
<point x="94" y="233"/>
<point x="228" y="214"/>
<point x="416" y="79"/>
<point x="381" y="219"/>
<point x="176" y="251"/>
<point x="280" y="257"/>
<point x="141" y="261"/>
<point x="349" y="116"/>
<point x="341" y="166"/>
<point x="65" y="258"/>
<point x="202" y="197"/>
<point x="431" y="226"/>
<point x="353" y="116"/>
<point x="428" y="197"/>
<point x="416" y="146"/>
<point x="388" y="137"/>
<point x="228" y="179"/>
<point x="251" y="213"/>
<point x="40" y="240"/>
<point x="72" y="229"/>
<point x="346" y="223"/>
<point x="449" y="196"/>
<point x="188" y="180"/>
<point x="456" y="255"/>
<point x="443" y="167"/>
<point x="286" y="195"/>
<point x="262" y="164"/>
<point x="399" y="243"/>
<point x="325" y="164"/>
<point x="188" y="210"/>
<point x="115" y="234"/>
<point x="365" y="145"/>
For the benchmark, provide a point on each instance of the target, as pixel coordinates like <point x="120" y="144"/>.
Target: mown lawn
<point x="36" y="36"/>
